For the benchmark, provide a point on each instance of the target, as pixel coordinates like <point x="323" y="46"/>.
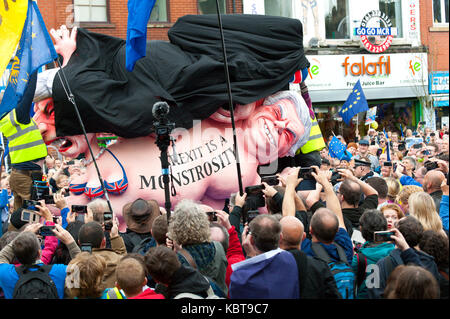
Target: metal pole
<point x="230" y="99"/>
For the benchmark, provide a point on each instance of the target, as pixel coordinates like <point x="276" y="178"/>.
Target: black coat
<point x="319" y="282"/>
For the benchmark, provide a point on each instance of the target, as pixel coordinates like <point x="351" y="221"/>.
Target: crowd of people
<point x="375" y="226"/>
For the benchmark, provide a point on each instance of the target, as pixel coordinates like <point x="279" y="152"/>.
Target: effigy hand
<point x="65" y="42"/>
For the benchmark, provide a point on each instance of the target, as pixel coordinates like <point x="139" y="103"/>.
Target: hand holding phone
<point x="383" y="236"/>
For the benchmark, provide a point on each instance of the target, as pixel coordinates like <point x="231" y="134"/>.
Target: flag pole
<point x="71" y="98"/>
<point x="230" y="100"/>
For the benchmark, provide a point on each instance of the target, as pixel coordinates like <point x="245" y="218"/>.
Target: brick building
<point x="110" y="16"/>
<point x="434" y="29"/>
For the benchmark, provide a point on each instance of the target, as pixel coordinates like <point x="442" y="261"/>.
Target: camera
<point x="255" y="197"/>
<point x="79" y="209"/>
<point x="305" y="173"/>
<point x="270" y="180"/>
<point x="335" y="178"/>
<point x="212" y="216"/>
<point x="40" y="191"/>
<point x="387" y="164"/>
<point x="46" y="231"/>
<point x="29" y="216"/>
<point x="401" y="146"/>
<point x="31" y="204"/>
<point x="251" y="214"/>
<point x="382" y="236"/>
<point x="429" y="165"/>
<point x="86" y="247"/>
<point x="107" y="219"/>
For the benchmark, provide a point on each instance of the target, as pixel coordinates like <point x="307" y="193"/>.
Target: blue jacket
<point x="342" y="238"/>
<point x="408" y="180"/>
<point x="373" y="254"/>
<point x="9" y="278"/>
<point x="443" y="211"/>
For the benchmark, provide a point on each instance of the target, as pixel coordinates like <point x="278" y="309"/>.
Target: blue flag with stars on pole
<point x="337" y="149"/>
<point x="356" y="103"/>
<point x="35" y="50"/>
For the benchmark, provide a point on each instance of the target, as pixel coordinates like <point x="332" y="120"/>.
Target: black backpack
<point x="35" y="284"/>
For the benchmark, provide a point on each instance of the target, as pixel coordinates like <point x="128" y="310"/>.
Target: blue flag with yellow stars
<point x="35" y="50"/>
<point x="356" y="103"/>
<point x="336" y="148"/>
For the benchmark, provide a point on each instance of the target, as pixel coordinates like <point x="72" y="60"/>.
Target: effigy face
<point x="203" y="163"/>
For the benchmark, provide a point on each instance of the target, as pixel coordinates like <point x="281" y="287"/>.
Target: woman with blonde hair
<point x="403" y="196"/>
<point x="393" y="188"/>
<point x="421" y="206"/>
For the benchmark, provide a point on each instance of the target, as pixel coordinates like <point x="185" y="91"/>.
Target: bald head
<point x="324" y="225"/>
<point x="292" y="231"/>
<point x="432" y="181"/>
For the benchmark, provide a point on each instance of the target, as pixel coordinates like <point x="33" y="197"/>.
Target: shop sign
<point x="368" y="32"/>
<point x="438" y="83"/>
<point x="254" y="7"/>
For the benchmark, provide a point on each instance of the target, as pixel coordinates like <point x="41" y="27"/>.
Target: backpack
<point x="35" y="284"/>
<point x="144" y="245"/>
<point x="341" y="270"/>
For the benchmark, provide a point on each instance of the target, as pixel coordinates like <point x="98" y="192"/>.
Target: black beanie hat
<point x="16" y="220"/>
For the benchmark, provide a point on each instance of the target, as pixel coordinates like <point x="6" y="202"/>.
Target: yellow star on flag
<point x="33" y="35"/>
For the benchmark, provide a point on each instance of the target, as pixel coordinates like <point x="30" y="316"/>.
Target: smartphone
<point x="426" y="152"/>
<point x="305" y="173"/>
<point x="31" y="204"/>
<point x="107" y="219"/>
<point x="46" y="231"/>
<point x="251" y="214"/>
<point x="387" y="164"/>
<point x="417" y="146"/>
<point x="212" y="216"/>
<point x="253" y="190"/>
<point x="86" y="247"/>
<point x="382" y="236"/>
<point x="29" y="216"/>
<point x="79" y="209"/>
<point x="270" y="180"/>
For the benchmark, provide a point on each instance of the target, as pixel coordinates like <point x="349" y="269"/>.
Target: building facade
<point x="434" y="35"/>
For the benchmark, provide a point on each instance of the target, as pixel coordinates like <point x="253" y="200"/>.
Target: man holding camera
<point x="27" y="149"/>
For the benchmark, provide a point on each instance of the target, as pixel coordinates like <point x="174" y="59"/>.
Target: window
<point x="336" y="19"/>
<point x="440" y="11"/>
<point x="90" y="10"/>
<point x="393" y="9"/>
<point x="210" y="6"/>
<point x="281" y="8"/>
<point x="159" y="12"/>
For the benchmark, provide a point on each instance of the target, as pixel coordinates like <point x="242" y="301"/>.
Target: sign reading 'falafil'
<point x="376" y="31"/>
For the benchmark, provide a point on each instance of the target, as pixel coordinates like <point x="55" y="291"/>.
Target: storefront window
<point x="159" y="12"/>
<point x="281" y="8"/>
<point x="440" y="11"/>
<point x="393" y="9"/>
<point x="336" y="19"/>
<point x="210" y="6"/>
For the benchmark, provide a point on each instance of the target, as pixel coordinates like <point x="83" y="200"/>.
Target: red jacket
<point x="234" y="253"/>
<point x="148" y="294"/>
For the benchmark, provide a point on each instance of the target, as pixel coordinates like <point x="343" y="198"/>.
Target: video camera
<point x="41" y="191"/>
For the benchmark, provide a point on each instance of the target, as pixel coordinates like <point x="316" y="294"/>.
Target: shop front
<point x="395" y="83"/>
<point x="439" y="90"/>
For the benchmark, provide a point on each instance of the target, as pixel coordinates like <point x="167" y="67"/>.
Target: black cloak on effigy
<point x="263" y="53"/>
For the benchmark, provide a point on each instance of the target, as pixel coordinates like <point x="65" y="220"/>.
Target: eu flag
<point x="35" y="50"/>
<point x="338" y="150"/>
<point x="356" y="103"/>
<point x="139" y="12"/>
